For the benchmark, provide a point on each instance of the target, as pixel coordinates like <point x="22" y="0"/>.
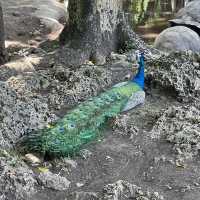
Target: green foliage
<point x="139" y="8"/>
<point x="82" y="125"/>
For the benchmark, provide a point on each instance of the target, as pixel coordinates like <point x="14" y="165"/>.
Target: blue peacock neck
<point x="139" y="77"/>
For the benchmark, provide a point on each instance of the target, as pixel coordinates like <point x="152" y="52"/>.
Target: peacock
<point x="84" y="123"/>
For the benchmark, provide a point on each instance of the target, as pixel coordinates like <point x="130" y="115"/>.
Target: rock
<point x="16" y="179"/>
<point x="168" y="187"/>
<point x="6" y="72"/>
<point x="119" y="189"/>
<point x="121" y="64"/>
<point x="83" y="196"/>
<point x="16" y="14"/>
<point x="116" y="190"/>
<point x="53" y="181"/>
<point x="121" y="70"/>
<point x="43" y="169"/>
<point x="82" y="83"/>
<point x="178" y="38"/>
<point x="32" y="159"/>
<point x="98" y="59"/>
<point x="85" y="154"/>
<point x="123" y="126"/>
<point x="79" y="185"/>
<point x="177" y="74"/>
<point x="115" y="56"/>
<point x="180" y="126"/>
<point x="89" y="62"/>
<point x="50" y="13"/>
<point x="66" y="3"/>
<point x="61" y="73"/>
<point x="184" y="35"/>
<point x="36" y="33"/>
<point x="72" y="163"/>
<point x="189" y="16"/>
<point x="20" y="114"/>
<point x="18" y="183"/>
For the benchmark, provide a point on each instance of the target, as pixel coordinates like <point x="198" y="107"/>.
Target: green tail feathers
<point x="82" y="124"/>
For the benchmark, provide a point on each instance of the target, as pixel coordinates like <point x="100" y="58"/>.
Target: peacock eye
<point x="71" y="126"/>
<point x="62" y="129"/>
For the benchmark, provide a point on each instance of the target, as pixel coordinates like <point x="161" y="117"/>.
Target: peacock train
<point x="84" y="123"/>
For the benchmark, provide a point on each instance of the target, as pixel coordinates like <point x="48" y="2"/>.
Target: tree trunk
<point x="2" y="39"/>
<point x="94" y="30"/>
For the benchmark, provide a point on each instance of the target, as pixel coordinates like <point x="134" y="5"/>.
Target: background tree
<point x="95" y="28"/>
<point x="2" y="38"/>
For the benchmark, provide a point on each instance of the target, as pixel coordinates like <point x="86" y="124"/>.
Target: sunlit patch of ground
<point x="28" y="23"/>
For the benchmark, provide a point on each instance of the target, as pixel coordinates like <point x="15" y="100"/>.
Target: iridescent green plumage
<point x="82" y="124"/>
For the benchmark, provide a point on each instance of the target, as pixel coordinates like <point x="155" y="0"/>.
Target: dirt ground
<point x="132" y="156"/>
<point x="27" y="23"/>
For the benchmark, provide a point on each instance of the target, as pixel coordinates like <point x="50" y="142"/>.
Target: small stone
<point x="79" y="185"/>
<point x="42" y="25"/>
<point x="36" y="33"/>
<point x="54" y="181"/>
<point x="128" y="76"/>
<point x="156" y="160"/>
<point x="196" y="64"/>
<point x="169" y="187"/>
<point x="180" y="164"/>
<point x="21" y="33"/>
<point x="161" y="197"/>
<point x="43" y="169"/>
<point x="88" y="62"/>
<point x="115" y="56"/>
<point x="140" y="192"/>
<point x="196" y="184"/>
<point x="30" y="158"/>
<point x="121" y="65"/>
<point x="156" y="195"/>
<point x="85" y="153"/>
<point x="16" y="14"/>
<point x="143" y="198"/>
<point x="171" y="161"/>
<point x="108" y="158"/>
<point x="38" y="39"/>
<point x="71" y="162"/>
<point x="179" y="151"/>
<point x="99" y="59"/>
<point x="185" y="189"/>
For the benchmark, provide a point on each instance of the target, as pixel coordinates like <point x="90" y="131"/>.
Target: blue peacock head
<point x="140" y="57"/>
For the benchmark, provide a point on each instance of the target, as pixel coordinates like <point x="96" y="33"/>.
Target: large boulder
<point x="178" y="38"/>
<point x="189" y="16"/>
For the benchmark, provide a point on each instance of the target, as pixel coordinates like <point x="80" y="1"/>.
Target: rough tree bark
<point x="2" y="39"/>
<point x="95" y="28"/>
